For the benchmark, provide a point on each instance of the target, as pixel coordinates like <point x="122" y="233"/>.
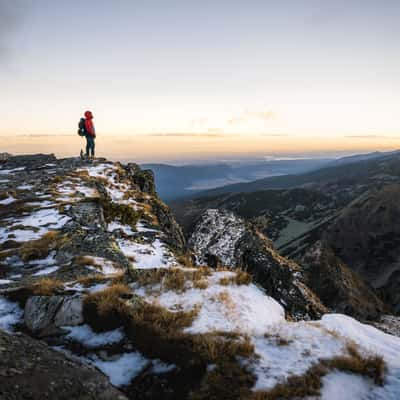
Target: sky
<point x="175" y="79"/>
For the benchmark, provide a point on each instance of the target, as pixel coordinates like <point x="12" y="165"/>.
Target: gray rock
<point x="221" y="237"/>
<point x="29" y="369"/>
<point x="42" y="313"/>
<point x="70" y="312"/>
<point x="4" y="156"/>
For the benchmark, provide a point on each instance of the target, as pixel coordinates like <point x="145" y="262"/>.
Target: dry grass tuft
<point x="39" y="248"/>
<point x="226" y="381"/>
<point x="216" y="347"/>
<point x="240" y="278"/>
<point x="92" y="279"/>
<point x="150" y="277"/>
<point x="175" y="280"/>
<point x="278" y="339"/>
<point x="162" y="320"/>
<point x="159" y="333"/>
<point x="310" y="383"/>
<point x="85" y="260"/>
<point x="107" y="309"/>
<point x="185" y="260"/>
<point x="201" y="284"/>
<point x="46" y="287"/>
<point x="372" y="366"/>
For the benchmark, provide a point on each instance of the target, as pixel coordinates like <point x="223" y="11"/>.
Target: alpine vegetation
<point x="102" y="297"/>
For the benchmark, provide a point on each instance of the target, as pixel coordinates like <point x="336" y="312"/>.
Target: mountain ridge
<point x="94" y="265"/>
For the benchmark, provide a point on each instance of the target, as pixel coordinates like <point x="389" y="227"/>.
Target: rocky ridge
<point x="221" y="238"/>
<point x="349" y="212"/>
<point x="94" y="265"/>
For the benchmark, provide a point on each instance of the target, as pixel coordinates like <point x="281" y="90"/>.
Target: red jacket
<point x="89" y="124"/>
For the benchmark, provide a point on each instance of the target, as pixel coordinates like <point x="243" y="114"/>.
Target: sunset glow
<point x="183" y="78"/>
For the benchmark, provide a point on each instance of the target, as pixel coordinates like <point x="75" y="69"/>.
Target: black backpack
<point x="81" y="127"/>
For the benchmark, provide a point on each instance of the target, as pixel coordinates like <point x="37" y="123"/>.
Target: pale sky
<point x="250" y="76"/>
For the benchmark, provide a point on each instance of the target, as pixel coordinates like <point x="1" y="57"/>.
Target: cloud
<point x="371" y="137"/>
<point x="212" y="132"/>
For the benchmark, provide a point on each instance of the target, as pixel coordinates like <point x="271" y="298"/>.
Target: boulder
<point x="29" y="369"/>
<point x="221" y="237"/>
<point x="70" y="312"/>
<point x="43" y="313"/>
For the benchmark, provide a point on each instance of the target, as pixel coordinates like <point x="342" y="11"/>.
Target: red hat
<point x="88" y="114"/>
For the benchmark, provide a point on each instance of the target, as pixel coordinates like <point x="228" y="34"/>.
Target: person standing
<point x="90" y="134"/>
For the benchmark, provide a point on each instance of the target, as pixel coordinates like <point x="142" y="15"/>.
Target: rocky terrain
<point x="348" y="212"/>
<point x="101" y="297"/>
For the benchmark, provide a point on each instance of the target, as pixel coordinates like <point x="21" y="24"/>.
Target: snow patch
<point x="339" y="385"/>
<point x="124" y="369"/>
<point x="244" y="309"/>
<point x="114" y="225"/>
<point x="84" y="334"/>
<point x="42" y="220"/>
<point x="10" y="199"/>
<point x="11" y="171"/>
<point x="10" y="314"/>
<point x="46" y="271"/>
<point x="147" y="256"/>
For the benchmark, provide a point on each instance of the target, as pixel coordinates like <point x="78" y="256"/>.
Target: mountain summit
<point x="102" y="297"/>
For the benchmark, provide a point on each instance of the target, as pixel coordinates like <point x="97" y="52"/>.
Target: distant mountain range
<point x="340" y="222"/>
<point x="354" y="167"/>
<point x="195" y="180"/>
<point x="176" y="182"/>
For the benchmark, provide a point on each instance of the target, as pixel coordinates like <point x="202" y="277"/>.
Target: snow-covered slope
<point x="120" y="294"/>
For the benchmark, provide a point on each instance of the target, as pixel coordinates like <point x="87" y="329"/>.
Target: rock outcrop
<point x="222" y="238"/>
<point x="44" y="314"/>
<point x="29" y="369"/>
<point x="94" y="264"/>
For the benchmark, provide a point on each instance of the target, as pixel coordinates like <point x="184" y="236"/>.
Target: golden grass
<point x="310" y="383"/>
<point x="109" y="299"/>
<point x="216" y="347"/>
<point x="174" y="278"/>
<point x="107" y="309"/>
<point x="39" y="248"/>
<point x="160" y="319"/>
<point x="200" y="284"/>
<point x="47" y="287"/>
<point x="371" y="365"/>
<point x="227" y="381"/>
<point x="185" y="260"/>
<point x="85" y="260"/>
<point x="150" y="277"/>
<point x="93" y="262"/>
<point x="159" y="333"/>
<point x="240" y="278"/>
<point x="90" y="280"/>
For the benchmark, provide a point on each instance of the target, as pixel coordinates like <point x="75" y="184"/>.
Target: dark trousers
<point x="89" y="145"/>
